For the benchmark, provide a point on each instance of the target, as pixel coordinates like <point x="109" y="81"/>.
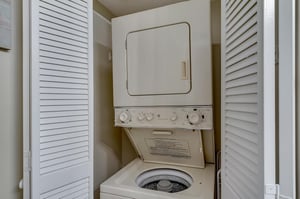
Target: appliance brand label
<point x="169" y="147"/>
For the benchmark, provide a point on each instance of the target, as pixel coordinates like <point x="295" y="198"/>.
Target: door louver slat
<point x="64" y="148"/>
<point x="55" y="61"/>
<point x="48" y="32"/>
<point x="62" y="39"/>
<point x="61" y="68"/>
<point x="240" y="11"/>
<point x="64" y="7"/>
<point x="63" y="74"/>
<point x="247" y="20"/>
<point x="250" y="127"/>
<point x="62" y="16"/>
<point x="62" y="131"/>
<point x="69" y="47"/>
<point x="246" y="163"/>
<point x="63" y="51"/>
<point x="65" y="191"/>
<point x="232" y="7"/>
<point x="69" y="13"/>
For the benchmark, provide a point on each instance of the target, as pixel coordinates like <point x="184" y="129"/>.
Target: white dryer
<point x="162" y="57"/>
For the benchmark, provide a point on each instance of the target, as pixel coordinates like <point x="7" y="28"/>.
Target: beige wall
<point x="107" y="139"/>
<point x="11" y="110"/>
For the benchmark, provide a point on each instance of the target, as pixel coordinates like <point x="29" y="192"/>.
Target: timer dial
<point x="125" y="117"/>
<point x="194" y="118"/>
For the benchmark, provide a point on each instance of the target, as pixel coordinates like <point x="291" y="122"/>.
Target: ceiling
<point x="123" y="7"/>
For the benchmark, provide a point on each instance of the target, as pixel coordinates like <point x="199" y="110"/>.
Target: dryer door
<point x="158" y="60"/>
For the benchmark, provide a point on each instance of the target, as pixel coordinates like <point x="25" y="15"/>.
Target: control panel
<point x="165" y="117"/>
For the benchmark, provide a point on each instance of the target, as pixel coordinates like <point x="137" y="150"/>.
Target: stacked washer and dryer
<point x="162" y="75"/>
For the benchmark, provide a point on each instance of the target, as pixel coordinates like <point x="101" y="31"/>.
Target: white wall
<point x="107" y="143"/>
<point x="11" y="110"/>
<point x="298" y="101"/>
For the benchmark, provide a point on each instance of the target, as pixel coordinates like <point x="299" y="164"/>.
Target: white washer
<point x="171" y="165"/>
<point x="124" y="184"/>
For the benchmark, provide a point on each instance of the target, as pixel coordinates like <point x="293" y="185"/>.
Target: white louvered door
<point x="248" y="99"/>
<point x="61" y="99"/>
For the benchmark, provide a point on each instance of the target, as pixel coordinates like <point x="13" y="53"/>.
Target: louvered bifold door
<point x="61" y="87"/>
<point x="248" y="99"/>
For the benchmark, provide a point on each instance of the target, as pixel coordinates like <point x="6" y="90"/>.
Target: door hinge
<point x="27" y="161"/>
<point x="272" y="190"/>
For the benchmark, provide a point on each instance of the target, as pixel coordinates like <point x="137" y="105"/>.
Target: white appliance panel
<point x="169" y="146"/>
<point x="200" y="118"/>
<point x="160" y="80"/>
<point x="158" y="60"/>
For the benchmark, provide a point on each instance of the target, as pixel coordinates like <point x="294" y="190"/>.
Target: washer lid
<point x="177" y="146"/>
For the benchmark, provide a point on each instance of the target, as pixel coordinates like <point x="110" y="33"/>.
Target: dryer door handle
<point x="184" y="70"/>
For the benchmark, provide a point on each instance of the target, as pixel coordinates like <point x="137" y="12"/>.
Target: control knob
<point x="149" y="116"/>
<point x="141" y="116"/>
<point x="194" y="118"/>
<point x="125" y="117"/>
<point x="174" y="117"/>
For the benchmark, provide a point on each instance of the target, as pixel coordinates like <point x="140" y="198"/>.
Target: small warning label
<point x="168" y="147"/>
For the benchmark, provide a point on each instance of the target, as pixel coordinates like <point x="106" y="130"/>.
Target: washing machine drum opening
<point x="166" y="180"/>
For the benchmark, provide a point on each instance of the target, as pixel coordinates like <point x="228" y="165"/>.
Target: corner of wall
<point x="102" y="10"/>
<point x="216" y="61"/>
